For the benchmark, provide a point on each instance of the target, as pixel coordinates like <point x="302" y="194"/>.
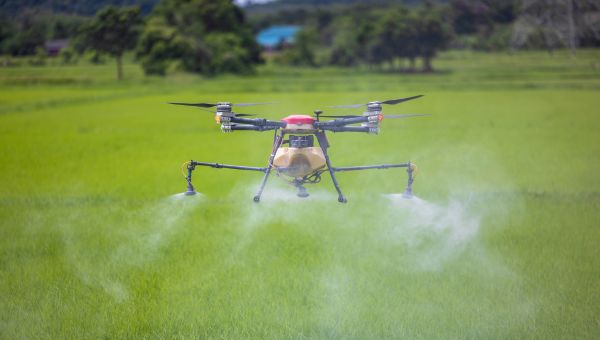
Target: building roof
<point x="56" y="44"/>
<point x="273" y="35"/>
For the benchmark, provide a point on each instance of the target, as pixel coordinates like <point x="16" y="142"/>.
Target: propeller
<point x="388" y="102"/>
<point x="213" y="105"/>
<point x="384" y="116"/>
<point x="252" y="104"/>
<point x="343" y="116"/>
<point x="214" y="112"/>
<point x="406" y="115"/>
<point x="195" y="104"/>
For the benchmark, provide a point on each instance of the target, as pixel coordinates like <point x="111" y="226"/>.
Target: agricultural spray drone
<point x="300" y="162"/>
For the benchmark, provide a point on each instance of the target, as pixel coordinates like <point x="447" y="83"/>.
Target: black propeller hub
<point x="224" y="108"/>
<point x="373" y="108"/>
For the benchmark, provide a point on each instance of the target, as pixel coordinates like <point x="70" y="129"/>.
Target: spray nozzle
<point x="411" y="171"/>
<point x="190" y="188"/>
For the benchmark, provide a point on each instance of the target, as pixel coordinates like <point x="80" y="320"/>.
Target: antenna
<point x="318" y="113"/>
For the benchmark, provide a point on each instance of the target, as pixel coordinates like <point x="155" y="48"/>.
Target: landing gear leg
<point x="409" y="171"/>
<point x="262" y="185"/>
<point x="276" y="144"/>
<point x="341" y="197"/>
<point x="324" y="144"/>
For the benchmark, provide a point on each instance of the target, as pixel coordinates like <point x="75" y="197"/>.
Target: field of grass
<point x="502" y="240"/>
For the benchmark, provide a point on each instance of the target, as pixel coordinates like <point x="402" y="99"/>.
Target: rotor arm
<point x="364" y="129"/>
<point x="257" y="122"/>
<point x="342" y="122"/>
<point x="247" y="127"/>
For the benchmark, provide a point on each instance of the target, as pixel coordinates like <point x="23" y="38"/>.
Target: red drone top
<point x="299" y="119"/>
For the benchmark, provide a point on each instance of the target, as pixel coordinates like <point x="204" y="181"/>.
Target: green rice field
<point x="501" y="241"/>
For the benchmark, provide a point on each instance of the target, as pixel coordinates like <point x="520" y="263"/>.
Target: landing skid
<point x="299" y="183"/>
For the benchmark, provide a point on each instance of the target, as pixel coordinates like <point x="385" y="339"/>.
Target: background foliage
<point x="211" y="37"/>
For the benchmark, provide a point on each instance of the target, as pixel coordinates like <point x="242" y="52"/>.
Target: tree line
<point x="386" y="35"/>
<point x="216" y="36"/>
<point x="372" y="37"/>
<point x="202" y="36"/>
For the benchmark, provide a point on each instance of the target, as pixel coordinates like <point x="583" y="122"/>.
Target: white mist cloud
<point x="434" y="233"/>
<point x="143" y="233"/>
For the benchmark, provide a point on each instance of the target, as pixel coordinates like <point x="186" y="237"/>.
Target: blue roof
<point x="271" y="36"/>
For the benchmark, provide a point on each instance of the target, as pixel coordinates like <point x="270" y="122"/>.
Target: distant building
<point x="53" y="47"/>
<point x="275" y="36"/>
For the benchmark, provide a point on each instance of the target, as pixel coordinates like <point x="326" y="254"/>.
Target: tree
<point x="206" y="36"/>
<point x="408" y="39"/>
<point x="114" y="31"/>
<point x="396" y="37"/>
<point x="158" y="44"/>
<point x="468" y="15"/>
<point x="23" y="36"/>
<point x="302" y="52"/>
<point x="354" y="38"/>
<point x="558" y="22"/>
<point x="7" y="30"/>
<point x="194" y="19"/>
<point x="345" y="49"/>
<point x="432" y="33"/>
<point x="227" y="53"/>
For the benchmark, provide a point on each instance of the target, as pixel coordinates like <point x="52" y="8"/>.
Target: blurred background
<point x="214" y="37"/>
<point x="501" y="240"/>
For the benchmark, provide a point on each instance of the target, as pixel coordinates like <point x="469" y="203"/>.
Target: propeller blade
<point x="251" y="104"/>
<point x="405" y="115"/>
<point x="196" y="104"/>
<point x="352" y="106"/>
<point x="343" y="116"/>
<point x="397" y="101"/>
<point x="213" y="105"/>
<point x="213" y="112"/>
<point x="389" y="102"/>
<point x="384" y="116"/>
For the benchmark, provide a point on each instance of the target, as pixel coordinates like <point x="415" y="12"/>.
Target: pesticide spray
<point x="365" y="248"/>
<point x="389" y="234"/>
<point x="142" y="232"/>
<point x="436" y="233"/>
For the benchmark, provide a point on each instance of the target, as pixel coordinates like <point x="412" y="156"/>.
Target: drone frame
<point x="299" y="183"/>
<point x="303" y="125"/>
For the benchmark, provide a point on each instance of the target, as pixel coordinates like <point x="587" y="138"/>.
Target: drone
<point x="294" y="156"/>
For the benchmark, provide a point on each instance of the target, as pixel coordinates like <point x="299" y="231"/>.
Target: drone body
<point x="299" y="159"/>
